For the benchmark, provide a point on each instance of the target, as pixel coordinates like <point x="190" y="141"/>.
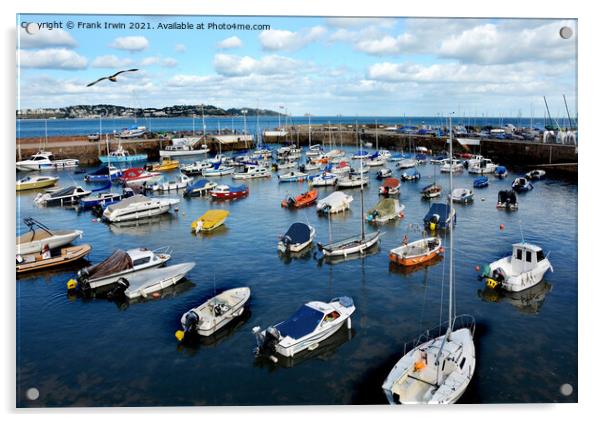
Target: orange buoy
<point x="477" y="268"/>
<point x="156" y="295"/>
<point x="501" y="227"/>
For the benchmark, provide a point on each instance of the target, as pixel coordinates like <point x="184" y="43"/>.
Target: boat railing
<point x="32" y="223"/>
<point x="166" y="250"/>
<point x="459" y="322"/>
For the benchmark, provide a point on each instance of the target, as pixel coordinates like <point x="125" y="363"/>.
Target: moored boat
<point x="120" y="155"/>
<point x="35" y="182"/>
<point x="51" y="259"/>
<point x="137" y="207"/>
<point x="384" y="173"/>
<point x="535" y="174"/>
<point x="431" y="191"/>
<point x="417" y="252"/>
<point x="439" y="217"/>
<point x="481" y="182"/>
<point x="410" y="175"/>
<point x="44" y="160"/>
<point x="506" y="199"/>
<point x="209" y="221"/>
<point x="389" y="187"/>
<point x="39" y="235"/>
<point x="166" y="164"/>
<point x="462" y="195"/>
<point x="303" y="200"/>
<point x="104" y="199"/>
<point x="323" y="179"/>
<point x="139" y="177"/>
<point x="293" y="176"/>
<point x="182" y="182"/>
<point x="387" y="209"/>
<point x="200" y="187"/>
<point x="334" y="203"/>
<point x="229" y="192"/>
<point x="104" y="174"/>
<point x="252" y="172"/>
<point x="501" y="172"/>
<point x="297" y="237"/>
<point x="69" y="195"/>
<point x="196" y="168"/>
<point x="521" y="184"/>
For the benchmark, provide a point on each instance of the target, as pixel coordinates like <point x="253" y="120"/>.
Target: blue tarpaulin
<point x="442" y="210"/>
<point x="303" y="322"/>
<point x="298" y="233"/>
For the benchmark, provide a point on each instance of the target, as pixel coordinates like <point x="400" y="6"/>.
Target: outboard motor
<point x="191" y="320"/>
<point x="267" y="341"/>
<point x="118" y="292"/>
<point x="286" y="240"/>
<point x="434" y="221"/>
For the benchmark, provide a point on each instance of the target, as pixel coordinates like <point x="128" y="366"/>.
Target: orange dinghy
<point x="304" y="200"/>
<point x="417" y="252"/>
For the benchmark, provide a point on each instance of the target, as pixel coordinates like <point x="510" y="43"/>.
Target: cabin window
<point x="528" y="256"/>
<point x="141" y="261"/>
<point x="519" y="254"/>
<point x="540" y="256"/>
<point x="331" y="316"/>
<point x="462" y="362"/>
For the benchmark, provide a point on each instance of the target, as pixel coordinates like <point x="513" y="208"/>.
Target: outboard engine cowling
<point x="118" y="292"/>
<point x="191" y="320"/>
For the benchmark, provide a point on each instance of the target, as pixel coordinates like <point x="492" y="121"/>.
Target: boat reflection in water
<point x="192" y="343"/>
<point x="527" y="301"/>
<point x="325" y="350"/>
<point x="143" y="226"/>
<point x="288" y="257"/>
<point x="407" y="270"/>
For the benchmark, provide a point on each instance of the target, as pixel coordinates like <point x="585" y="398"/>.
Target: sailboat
<point x="355" y="244"/>
<point x="441" y="363"/>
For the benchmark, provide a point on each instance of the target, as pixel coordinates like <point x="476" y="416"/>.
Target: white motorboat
<point x="293" y="176"/>
<point x="181" y="182"/>
<point x="313" y="323"/>
<point x="523" y="269"/>
<point x="218" y="170"/>
<point x="141" y="285"/>
<point x="535" y="174"/>
<point x="375" y="162"/>
<point x="387" y="209"/>
<point x="343" y="168"/>
<point x="522" y="184"/>
<point x="454" y="166"/>
<point x="384" y="173"/>
<point x="138" y="177"/>
<point x="69" y="195"/>
<point x="285" y="165"/>
<point x="314" y="151"/>
<point x="482" y="166"/>
<point x="182" y="151"/>
<point x="310" y="167"/>
<point x="44" y="160"/>
<point x="252" y="172"/>
<point x="406" y="163"/>
<point x="462" y="195"/>
<point x="297" y="237"/>
<point x="323" y="179"/>
<point x="132" y="132"/>
<point x="137" y="207"/>
<point x="441" y="363"/>
<point x="38" y="236"/>
<point x="195" y="168"/>
<point x="352" y="181"/>
<point x="214" y="314"/>
<point x="334" y="203"/>
<point x="119" y="264"/>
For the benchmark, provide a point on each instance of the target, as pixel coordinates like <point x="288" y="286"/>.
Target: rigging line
<point x="442" y="283"/>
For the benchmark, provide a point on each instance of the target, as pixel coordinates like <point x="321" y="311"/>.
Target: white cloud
<point x="180" y="48"/>
<point x="158" y="61"/>
<point x="230" y="65"/>
<point x="359" y="22"/>
<point x="46" y="38"/>
<point x="51" y="58"/>
<point x="133" y="43"/>
<point x="231" y="42"/>
<point x="110" y="61"/>
<point x="386" y="44"/>
<point x="283" y="40"/>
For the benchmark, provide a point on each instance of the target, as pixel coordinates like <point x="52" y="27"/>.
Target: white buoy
<point x="349" y="323"/>
<point x="273" y="358"/>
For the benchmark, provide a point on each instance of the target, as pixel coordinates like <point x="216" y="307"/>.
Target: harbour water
<point x="98" y="353"/>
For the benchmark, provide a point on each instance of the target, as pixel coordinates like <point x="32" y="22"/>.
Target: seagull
<point x="112" y="78"/>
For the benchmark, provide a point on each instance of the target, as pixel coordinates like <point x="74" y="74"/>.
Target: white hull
<point x="161" y="278"/>
<point x="53" y="242"/>
<point x="190" y="153"/>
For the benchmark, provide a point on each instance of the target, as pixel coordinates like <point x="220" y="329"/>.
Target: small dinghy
<point x="104" y="199"/>
<point x="462" y="195"/>
<point x="387" y="209"/>
<point x="522" y="270"/>
<point x="313" y="323"/>
<point x="304" y="200"/>
<point x="137" y="207"/>
<point x="229" y="192"/>
<point x="334" y="203"/>
<point x="214" y="314"/>
<point x="52" y="258"/>
<point x="181" y="182"/>
<point x="506" y="199"/>
<point x="431" y="191"/>
<point x="501" y="172"/>
<point x="521" y="184"/>
<point x="201" y="187"/>
<point x="417" y="252"/>
<point x="119" y="264"/>
<point x="38" y="236"/>
<point x="60" y="197"/>
<point x="297" y="237"/>
<point x="352" y="245"/>
<point x="481" y="182"/>
<point x="209" y="221"/>
<point x="535" y="174"/>
<point x="141" y="285"/>
<point x="352" y="180"/>
<point x="323" y="179"/>
<point x="389" y="187"/>
<point x="439" y="217"/>
<point x="104" y="174"/>
<point x="35" y="182"/>
<point x="293" y="176"/>
<point x="411" y="175"/>
<point x="384" y="173"/>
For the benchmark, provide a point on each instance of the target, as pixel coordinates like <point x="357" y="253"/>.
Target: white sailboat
<point x="441" y="363"/>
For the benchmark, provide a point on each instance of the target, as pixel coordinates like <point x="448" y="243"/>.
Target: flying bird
<point x="112" y="78"/>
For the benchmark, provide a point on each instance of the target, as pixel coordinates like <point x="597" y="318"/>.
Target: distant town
<point x="114" y="111"/>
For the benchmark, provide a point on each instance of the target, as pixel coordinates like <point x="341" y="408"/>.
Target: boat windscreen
<point x="303" y="322"/>
<point x="117" y="262"/>
<point x="298" y="233"/>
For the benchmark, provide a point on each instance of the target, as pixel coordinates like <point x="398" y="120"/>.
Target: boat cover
<point x="391" y="182"/>
<point x="128" y="201"/>
<point x="481" y="180"/>
<point x="103" y="171"/>
<point x="63" y="192"/>
<point x="117" y="262"/>
<point x="239" y="188"/>
<point x="420" y="156"/>
<point x="298" y="233"/>
<point x="411" y="172"/>
<point x="334" y="198"/>
<point x="386" y="206"/>
<point x="301" y="323"/>
<point x="199" y="184"/>
<point x="506" y="196"/>
<point x="442" y="210"/>
<point x="214" y="216"/>
<point x="500" y="170"/>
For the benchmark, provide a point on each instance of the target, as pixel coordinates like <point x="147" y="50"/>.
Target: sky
<point x="303" y="65"/>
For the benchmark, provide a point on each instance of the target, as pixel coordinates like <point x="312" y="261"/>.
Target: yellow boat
<point x="209" y="221"/>
<point x="36" y="182"/>
<point x="165" y="165"/>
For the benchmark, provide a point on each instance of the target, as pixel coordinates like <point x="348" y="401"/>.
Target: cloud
<point x="46" y="38"/>
<point x="158" y="61"/>
<point x="133" y="43"/>
<point x="110" y="61"/>
<point x="283" y="40"/>
<point x="231" y="42"/>
<point x="180" y="48"/>
<point x="386" y="44"/>
<point x="51" y="58"/>
<point x="230" y="65"/>
<point x="360" y="22"/>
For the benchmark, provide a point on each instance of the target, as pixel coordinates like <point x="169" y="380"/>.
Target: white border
<point x="590" y="114"/>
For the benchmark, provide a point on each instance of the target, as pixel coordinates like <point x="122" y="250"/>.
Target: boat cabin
<point x="525" y="257"/>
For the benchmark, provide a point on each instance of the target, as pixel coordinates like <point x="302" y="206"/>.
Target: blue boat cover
<point x="440" y="209"/>
<point x="420" y="156"/>
<point x="217" y="165"/>
<point x="103" y="171"/>
<point x="375" y="155"/>
<point x="500" y="170"/>
<point x="239" y="188"/>
<point x="301" y="323"/>
<point x="480" y="181"/>
<point x="298" y="233"/>
<point x="411" y="172"/>
<point x="198" y="184"/>
<point x="362" y="153"/>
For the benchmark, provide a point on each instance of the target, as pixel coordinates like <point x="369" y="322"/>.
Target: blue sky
<point x="322" y="66"/>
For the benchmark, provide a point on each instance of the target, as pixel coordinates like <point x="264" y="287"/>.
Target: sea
<point x="94" y="352"/>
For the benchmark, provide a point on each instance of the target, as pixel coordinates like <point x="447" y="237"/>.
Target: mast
<point x="204" y="127"/>
<point x="567" y="112"/>
<point x="309" y="121"/>
<point x="361" y="184"/>
<point x="376" y="133"/>
<point x="451" y="237"/>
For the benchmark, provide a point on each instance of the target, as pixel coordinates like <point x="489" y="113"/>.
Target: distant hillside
<point x="107" y="110"/>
